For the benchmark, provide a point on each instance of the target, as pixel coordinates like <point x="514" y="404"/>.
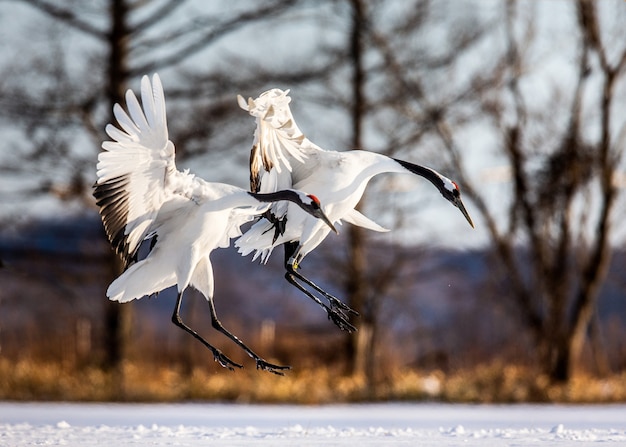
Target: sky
<point x="434" y="219"/>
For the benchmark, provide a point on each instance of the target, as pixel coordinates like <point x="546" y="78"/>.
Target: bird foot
<point x="339" y="306"/>
<point x="225" y="361"/>
<point x="274" y="369"/>
<point x="340" y="320"/>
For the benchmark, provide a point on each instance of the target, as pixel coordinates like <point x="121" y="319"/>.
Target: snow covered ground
<point x="365" y="425"/>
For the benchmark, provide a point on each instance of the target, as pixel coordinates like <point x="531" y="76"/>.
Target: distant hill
<point x="440" y="307"/>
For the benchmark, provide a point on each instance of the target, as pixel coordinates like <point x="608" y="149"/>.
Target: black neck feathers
<point x="285" y="194"/>
<point x="425" y="172"/>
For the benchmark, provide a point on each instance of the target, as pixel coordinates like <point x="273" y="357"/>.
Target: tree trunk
<point x="361" y="347"/>
<point x="557" y="360"/>
<point x="118" y="316"/>
<point x="359" y="341"/>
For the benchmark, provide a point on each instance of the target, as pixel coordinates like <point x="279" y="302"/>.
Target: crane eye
<point x="456" y="191"/>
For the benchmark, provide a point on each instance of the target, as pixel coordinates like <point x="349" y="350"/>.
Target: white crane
<point x="142" y="196"/>
<point x="283" y="157"/>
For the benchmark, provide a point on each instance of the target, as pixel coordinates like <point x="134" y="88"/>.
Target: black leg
<point x="336" y="315"/>
<point x="219" y="356"/>
<point x="337" y="310"/>
<point x="279" y="224"/>
<point x="260" y="363"/>
<point x="335" y="303"/>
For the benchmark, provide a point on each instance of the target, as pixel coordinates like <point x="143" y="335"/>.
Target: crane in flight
<point x="142" y="196"/>
<point x="283" y="157"/>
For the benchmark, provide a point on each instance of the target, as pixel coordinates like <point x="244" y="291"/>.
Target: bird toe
<point x="275" y="369"/>
<point x="225" y="361"/>
<point x="341" y="321"/>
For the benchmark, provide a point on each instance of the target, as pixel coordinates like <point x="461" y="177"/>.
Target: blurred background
<point x="522" y="103"/>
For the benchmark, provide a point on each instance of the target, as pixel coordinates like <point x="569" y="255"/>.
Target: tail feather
<point x="257" y="239"/>
<point x="141" y="279"/>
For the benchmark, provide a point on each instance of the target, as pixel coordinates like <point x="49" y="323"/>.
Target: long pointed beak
<point x="327" y="221"/>
<point x="460" y="206"/>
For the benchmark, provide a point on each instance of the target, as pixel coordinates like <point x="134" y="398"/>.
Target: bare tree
<point x="562" y="157"/>
<point x="378" y="33"/>
<point x="569" y="248"/>
<point x="66" y="108"/>
<point x="361" y="342"/>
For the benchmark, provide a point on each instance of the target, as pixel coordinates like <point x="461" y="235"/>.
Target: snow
<point x="402" y="424"/>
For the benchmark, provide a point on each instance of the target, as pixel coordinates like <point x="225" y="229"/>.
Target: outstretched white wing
<point x="134" y="168"/>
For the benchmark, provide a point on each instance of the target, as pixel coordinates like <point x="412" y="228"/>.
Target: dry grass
<point x="27" y="380"/>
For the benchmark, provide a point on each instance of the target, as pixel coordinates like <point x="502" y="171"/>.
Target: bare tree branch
<point x="66" y="16"/>
<point x="162" y="13"/>
<point x="212" y="35"/>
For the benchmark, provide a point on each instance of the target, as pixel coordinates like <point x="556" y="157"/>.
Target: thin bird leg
<point x="335" y="303"/>
<point x="291" y="252"/>
<point x="260" y="363"/>
<point x="219" y="356"/>
<point x="336" y="315"/>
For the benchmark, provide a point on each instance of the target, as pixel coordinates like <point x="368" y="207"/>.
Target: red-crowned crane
<point x="142" y="196"/>
<point x="283" y="157"/>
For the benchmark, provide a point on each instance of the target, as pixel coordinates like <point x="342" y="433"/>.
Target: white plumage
<point x="283" y="157"/>
<point x="143" y="196"/>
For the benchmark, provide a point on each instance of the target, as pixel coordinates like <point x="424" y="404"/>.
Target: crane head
<point x="314" y="208"/>
<point x="308" y="202"/>
<point x="448" y="189"/>
<point x="452" y="194"/>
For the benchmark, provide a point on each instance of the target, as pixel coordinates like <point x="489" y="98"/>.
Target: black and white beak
<point x="316" y="211"/>
<point x="459" y="204"/>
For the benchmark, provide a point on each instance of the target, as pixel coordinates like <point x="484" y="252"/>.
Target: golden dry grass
<point x="27" y="380"/>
